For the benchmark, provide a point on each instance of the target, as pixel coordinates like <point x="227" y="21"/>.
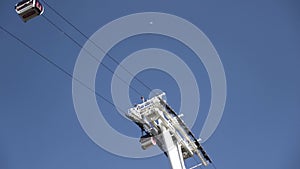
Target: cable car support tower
<point x="163" y="127"/>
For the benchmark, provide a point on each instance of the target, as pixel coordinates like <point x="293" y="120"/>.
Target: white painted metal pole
<point x="173" y="150"/>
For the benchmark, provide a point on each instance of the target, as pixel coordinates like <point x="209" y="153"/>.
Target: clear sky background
<point x="259" y="45"/>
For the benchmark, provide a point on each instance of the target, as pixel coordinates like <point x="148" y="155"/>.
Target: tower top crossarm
<point x="154" y="117"/>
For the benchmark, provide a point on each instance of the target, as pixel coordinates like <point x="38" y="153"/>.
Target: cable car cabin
<point x="28" y="9"/>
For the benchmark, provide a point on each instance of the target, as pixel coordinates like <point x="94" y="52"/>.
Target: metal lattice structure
<point x="163" y="127"/>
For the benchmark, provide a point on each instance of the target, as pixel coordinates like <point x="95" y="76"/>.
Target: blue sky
<point x="258" y="43"/>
